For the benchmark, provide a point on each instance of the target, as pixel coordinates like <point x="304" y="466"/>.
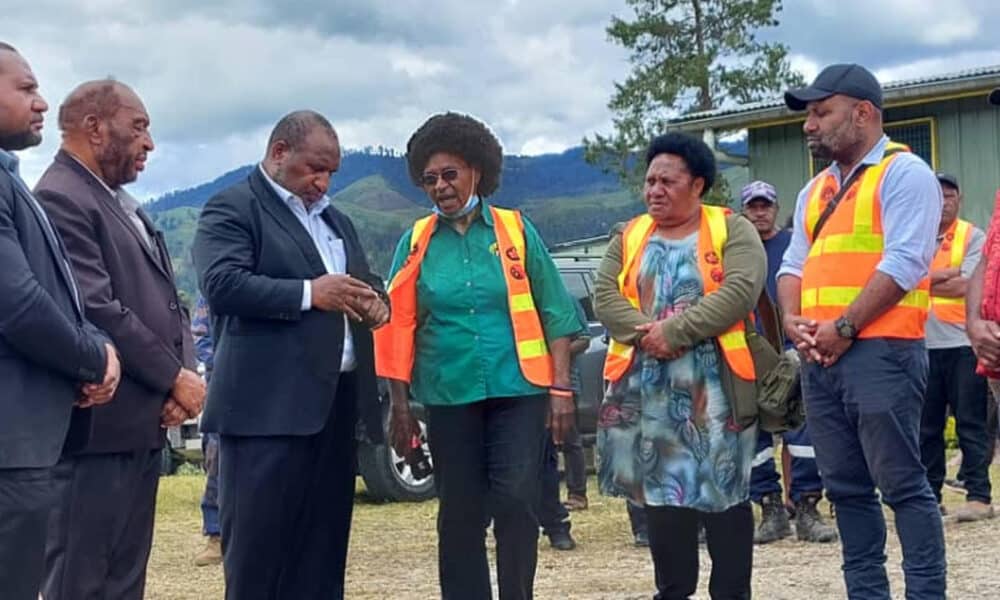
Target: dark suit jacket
<point x="129" y="293"/>
<point x="47" y="349"/>
<point x="276" y="367"/>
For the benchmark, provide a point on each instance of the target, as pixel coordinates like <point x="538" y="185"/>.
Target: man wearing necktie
<point x="100" y="537"/>
<point x="54" y="365"/>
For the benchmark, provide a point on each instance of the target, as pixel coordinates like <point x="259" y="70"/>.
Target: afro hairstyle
<point x="463" y="136"/>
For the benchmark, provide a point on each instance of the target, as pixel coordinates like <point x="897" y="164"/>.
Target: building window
<point x="919" y="134"/>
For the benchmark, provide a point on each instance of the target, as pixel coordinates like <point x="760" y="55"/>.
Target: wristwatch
<point x="845" y="328"/>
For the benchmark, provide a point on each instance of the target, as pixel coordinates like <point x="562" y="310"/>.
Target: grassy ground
<point x="393" y="554"/>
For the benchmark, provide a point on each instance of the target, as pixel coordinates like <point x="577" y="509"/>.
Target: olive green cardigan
<point x="744" y="265"/>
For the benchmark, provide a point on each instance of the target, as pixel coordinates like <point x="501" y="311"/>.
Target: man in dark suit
<point x="100" y="536"/>
<point x="293" y="302"/>
<point x="54" y="365"/>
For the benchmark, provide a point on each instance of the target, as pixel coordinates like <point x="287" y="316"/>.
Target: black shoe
<point x="809" y="525"/>
<point x="642" y="540"/>
<point x="562" y="540"/>
<point x="774" y="524"/>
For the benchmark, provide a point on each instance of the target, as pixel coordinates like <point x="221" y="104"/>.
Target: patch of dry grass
<point x="394" y="554"/>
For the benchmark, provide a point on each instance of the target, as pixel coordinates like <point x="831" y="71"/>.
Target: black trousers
<point x="285" y="505"/>
<point x="552" y="515"/>
<point x="487" y="457"/>
<point x="952" y="382"/>
<point x="673" y="542"/>
<point x="27" y="497"/>
<point x="101" y="532"/>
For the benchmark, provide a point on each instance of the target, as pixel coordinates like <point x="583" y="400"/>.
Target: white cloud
<point x="541" y="145"/>
<point x="217" y="75"/>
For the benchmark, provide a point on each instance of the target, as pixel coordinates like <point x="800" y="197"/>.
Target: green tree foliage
<point x="687" y="56"/>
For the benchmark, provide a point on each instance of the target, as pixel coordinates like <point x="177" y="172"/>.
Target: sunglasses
<point x="431" y="179"/>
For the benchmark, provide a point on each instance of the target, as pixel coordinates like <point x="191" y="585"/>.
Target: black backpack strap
<point x="832" y="206"/>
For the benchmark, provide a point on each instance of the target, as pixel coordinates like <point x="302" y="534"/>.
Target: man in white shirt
<point x="293" y="302"/>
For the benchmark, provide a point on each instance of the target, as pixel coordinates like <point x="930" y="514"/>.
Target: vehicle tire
<point x="389" y="478"/>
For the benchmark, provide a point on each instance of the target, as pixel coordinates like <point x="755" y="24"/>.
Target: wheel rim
<point x="401" y="469"/>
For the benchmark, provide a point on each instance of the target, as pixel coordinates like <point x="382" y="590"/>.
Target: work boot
<point x="973" y="510"/>
<point x="774" y="523"/>
<point x="211" y="554"/>
<point x="809" y="525"/>
<point x="562" y="540"/>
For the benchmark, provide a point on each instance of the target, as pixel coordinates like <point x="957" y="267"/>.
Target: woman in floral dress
<point x="676" y="311"/>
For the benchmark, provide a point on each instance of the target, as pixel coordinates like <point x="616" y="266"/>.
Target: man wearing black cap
<point x="855" y="293"/>
<point x="953" y="380"/>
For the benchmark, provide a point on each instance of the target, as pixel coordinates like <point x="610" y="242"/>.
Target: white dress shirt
<point x="330" y="248"/>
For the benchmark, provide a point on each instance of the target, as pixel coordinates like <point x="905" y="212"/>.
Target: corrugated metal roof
<point x="891" y="89"/>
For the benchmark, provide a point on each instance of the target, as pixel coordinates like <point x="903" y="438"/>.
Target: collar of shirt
<point x="94" y="175"/>
<point x="873" y="157"/>
<point x="292" y="200"/>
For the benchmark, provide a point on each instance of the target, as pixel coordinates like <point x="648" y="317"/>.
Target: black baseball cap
<point x="948" y="179"/>
<point x="848" y="79"/>
<point x="994" y="97"/>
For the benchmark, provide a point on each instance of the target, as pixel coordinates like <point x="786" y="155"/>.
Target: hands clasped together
<point x="817" y="341"/>
<point x="186" y="399"/>
<point x="655" y="344"/>
<point x="353" y="297"/>
<point x="95" y="394"/>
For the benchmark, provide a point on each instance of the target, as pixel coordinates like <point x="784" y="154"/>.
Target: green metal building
<point x="945" y="119"/>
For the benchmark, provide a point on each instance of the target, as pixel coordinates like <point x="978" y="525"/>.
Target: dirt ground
<point x="393" y="555"/>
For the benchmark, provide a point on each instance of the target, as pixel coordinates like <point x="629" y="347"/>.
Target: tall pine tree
<point x="687" y="56"/>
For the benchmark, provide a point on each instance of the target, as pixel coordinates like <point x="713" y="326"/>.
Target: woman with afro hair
<point x="480" y="333"/>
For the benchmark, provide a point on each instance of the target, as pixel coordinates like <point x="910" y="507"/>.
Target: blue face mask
<point x="470" y="205"/>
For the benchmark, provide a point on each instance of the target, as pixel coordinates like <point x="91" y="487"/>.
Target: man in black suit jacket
<point x="100" y="536"/>
<point x="47" y="349"/>
<point x="293" y="302"/>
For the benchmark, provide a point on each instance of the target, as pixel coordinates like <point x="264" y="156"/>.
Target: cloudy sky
<point x="216" y="75"/>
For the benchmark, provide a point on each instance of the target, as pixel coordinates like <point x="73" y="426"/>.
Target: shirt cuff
<point x="307" y="297"/>
<point x="906" y="277"/>
<point x="788" y="270"/>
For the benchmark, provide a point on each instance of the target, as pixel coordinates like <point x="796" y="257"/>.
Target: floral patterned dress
<point x="665" y="436"/>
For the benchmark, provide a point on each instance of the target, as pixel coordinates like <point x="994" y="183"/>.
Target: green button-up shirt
<point x="464" y="340"/>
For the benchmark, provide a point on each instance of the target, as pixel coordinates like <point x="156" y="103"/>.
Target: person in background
<point x="952" y="380"/>
<point x="480" y="333"/>
<point x="759" y="200"/>
<point x="204" y="348"/>
<point x="675" y="289"/>
<point x="553" y="516"/>
<point x="854" y="294"/>
<point x="574" y="458"/>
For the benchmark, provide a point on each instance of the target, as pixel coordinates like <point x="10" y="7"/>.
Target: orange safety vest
<point x="394" y="341"/>
<point x="712" y="236"/>
<point x="844" y="256"/>
<point x="949" y="256"/>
